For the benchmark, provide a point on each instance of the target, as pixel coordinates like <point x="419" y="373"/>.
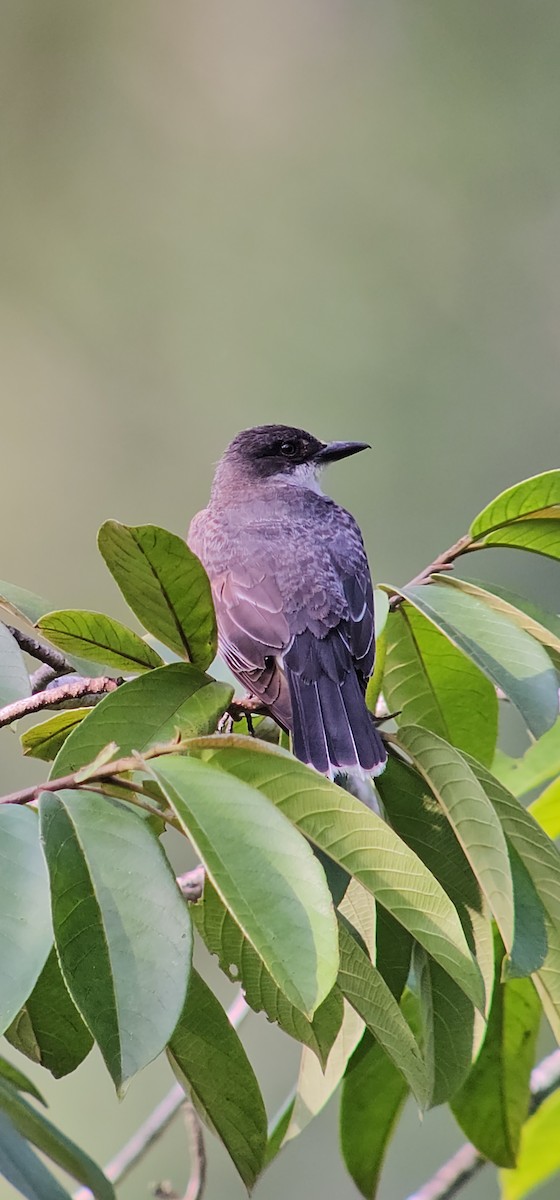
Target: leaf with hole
<point x="237" y="958"/>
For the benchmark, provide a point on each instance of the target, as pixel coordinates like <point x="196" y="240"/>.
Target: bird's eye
<point x="288" y="449"/>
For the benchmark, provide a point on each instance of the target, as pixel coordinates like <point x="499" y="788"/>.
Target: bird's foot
<point x="249" y="707"/>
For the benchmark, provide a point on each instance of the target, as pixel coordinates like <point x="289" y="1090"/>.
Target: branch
<point x="53" y="696"/>
<point x="158" y="1121"/>
<point x="443" y="562"/>
<point x="46" y="654"/>
<point x="197" y="1154"/>
<point x="467" y="1162"/>
<point x="104" y="773"/>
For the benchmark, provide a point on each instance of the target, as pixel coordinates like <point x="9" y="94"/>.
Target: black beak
<point x="335" y="450"/>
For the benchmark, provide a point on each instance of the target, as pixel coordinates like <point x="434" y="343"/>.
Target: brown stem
<point x="46" y="654"/>
<point x="197" y="1154"/>
<point x="443" y="562"/>
<point x="105" y="772"/>
<point x="54" y="696"/>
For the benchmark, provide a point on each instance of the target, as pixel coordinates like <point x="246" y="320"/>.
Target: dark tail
<point x="333" y="730"/>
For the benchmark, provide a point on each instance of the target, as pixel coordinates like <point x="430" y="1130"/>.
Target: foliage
<point x="408" y="953"/>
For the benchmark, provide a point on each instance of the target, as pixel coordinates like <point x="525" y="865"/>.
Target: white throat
<point x="305" y="475"/>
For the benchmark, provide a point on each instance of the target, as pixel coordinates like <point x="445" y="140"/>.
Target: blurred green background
<point x="342" y="215"/>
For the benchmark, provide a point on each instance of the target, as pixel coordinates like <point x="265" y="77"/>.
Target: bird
<point x="293" y="594"/>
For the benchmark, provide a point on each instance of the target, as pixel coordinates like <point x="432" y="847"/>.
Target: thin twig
<point x="53" y="696"/>
<point x="467" y="1161"/>
<point x="45" y="654"/>
<point x="158" y="1121"/>
<point x="443" y="562"/>
<point x="104" y="772"/>
<point x="197" y="1153"/>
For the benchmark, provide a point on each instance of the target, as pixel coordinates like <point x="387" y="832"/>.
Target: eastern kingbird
<point x="293" y="594"/>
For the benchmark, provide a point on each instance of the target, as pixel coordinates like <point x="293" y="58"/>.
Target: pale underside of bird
<point x="293" y="594"/>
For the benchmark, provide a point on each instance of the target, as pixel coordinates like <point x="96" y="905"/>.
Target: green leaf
<point x="494" y="1100"/>
<point x="512" y="659"/>
<point x="471" y="816"/>
<point x="14" y="680"/>
<point x="278" y="1128"/>
<point x="101" y="638"/>
<point x="546" y="809"/>
<point x="209" y="1060"/>
<point x="53" y="1143"/>
<point x="539" y="764"/>
<point x="165" y="585"/>
<point x="23" y="1169"/>
<point x="122" y="929"/>
<point x="19" y="1080"/>
<point x="45" y="740"/>
<point x="524" y="499"/>
<point x="540" y="537"/>
<point x="373" y="1094"/>
<point x="542" y="861"/>
<point x="381" y="612"/>
<point x="315" y="1086"/>
<point x="539" y="1156"/>
<point x="240" y="962"/>
<point x="530" y="942"/>
<point x="393" y="951"/>
<point x="448" y="1023"/>
<point x="25" y="920"/>
<point x="418" y="818"/>
<point x="432" y="683"/>
<point x="524" y="614"/>
<point x="21" y="603"/>
<point x="361" y="842"/>
<point x="146" y="712"/>
<point x="359" y="910"/>
<point x="49" y="1029"/>
<point x="364" y="988"/>
<point x="265" y="873"/>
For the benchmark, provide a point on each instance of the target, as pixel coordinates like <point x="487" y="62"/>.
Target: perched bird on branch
<point x="293" y="594"/>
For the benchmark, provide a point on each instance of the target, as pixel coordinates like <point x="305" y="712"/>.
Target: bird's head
<point x="283" y="452"/>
